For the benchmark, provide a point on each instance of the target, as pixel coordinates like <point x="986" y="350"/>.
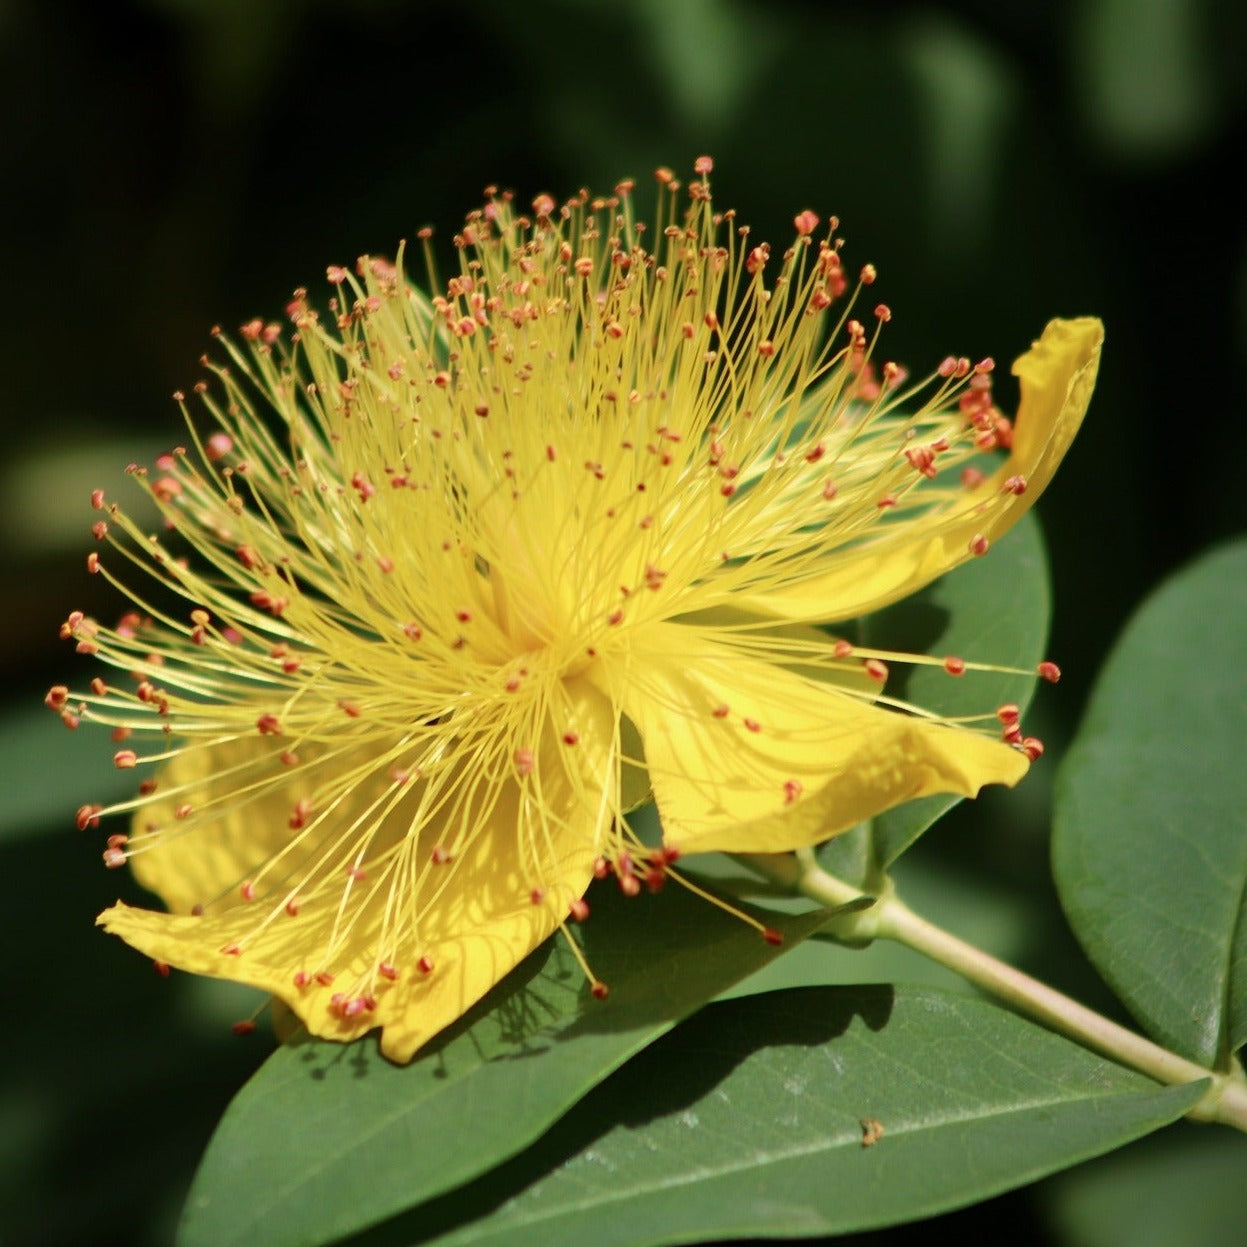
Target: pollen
<point x="461" y="568"/>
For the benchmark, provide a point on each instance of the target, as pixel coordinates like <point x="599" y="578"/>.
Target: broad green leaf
<point x="1149" y="851"/>
<point x="994" y="610"/>
<point x="1180" y="1189"/>
<point x="328" y="1139"/>
<point x="751" y="1119"/>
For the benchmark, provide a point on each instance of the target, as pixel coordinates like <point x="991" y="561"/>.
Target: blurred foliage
<point x="170" y="164"/>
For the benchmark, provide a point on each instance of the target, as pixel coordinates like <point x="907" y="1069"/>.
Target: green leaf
<point x="328" y="1139"/>
<point x="1149" y="851"/>
<point x="750" y="1120"/>
<point x="995" y="610"/>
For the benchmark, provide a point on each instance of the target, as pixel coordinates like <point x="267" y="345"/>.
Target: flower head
<point x="452" y="583"/>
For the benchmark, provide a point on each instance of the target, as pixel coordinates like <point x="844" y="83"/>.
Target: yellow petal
<point x="534" y="841"/>
<point x="747" y="757"/>
<point x="1057" y="376"/>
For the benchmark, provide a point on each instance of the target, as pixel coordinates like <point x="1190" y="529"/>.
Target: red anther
<point x="1032" y="746"/>
<point x="978" y="545"/>
<point x="298" y="816"/>
<point x="56" y="697"/>
<point x="253" y="328"/>
<point x="954" y="665"/>
<point x="756" y="260"/>
<point x="571" y="738"/>
<point x="302" y="978"/>
<point x="88" y="816"/>
<point x="1049" y="671"/>
<point x="161" y="968"/>
<point x="1004" y="432"/>
<point x="524" y="761"/>
<point x="601" y="868"/>
<point x="703" y="165"/>
<point x="114" y="858"/>
<point x="766" y="348"/>
<point x="93" y="567"/>
<point x="425" y="965"/>
<point x="99" y="530"/>
<point x="440" y="855"/>
<point x="536" y="896"/>
<point x="387" y="971"/>
<point x="543" y="205"/>
<point x="69" y="719"/>
<point x="806" y="222"/>
<point x="599" y="990"/>
<point x="412" y="631"/>
<point x="753" y="725"/>
<point x="350" y="709"/>
<point x="629" y="884"/>
<point x="363" y="486"/>
<point x="922" y="460"/>
<point x="614" y="329"/>
<point x="247" y="891"/>
<point x="793" y="788"/>
<point x="356" y="873"/>
<point x="354" y="1007"/>
<point x="615" y="618"/>
<point x="218" y="446"/>
<point x="887" y="501"/>
<point x="463" y="616"/>
<point x="1012" y="734"/>
<point x="948" y="367"/>
<point x="814" y="455"/>
<point x="883" y="313"/>
<point x="324" y="978"/>
<point x="721" y="711"/>
<point x="118" y="840"/>
<point x="289" y="758"/>
<point x="727" y="490"/>
<point x="842" y="649"/>
<point x="1008" y="713"/>
<point x="184" y="810"/>
<point x="1014" y="485"/>
<point x="578" y="910"/>
<point x="655" y="878"/>
<point x="876" y="670"/>
<point x="245" y="1027"/>
<point x="385" y="563"/>
<point x="292" y="907"/>
<point x="971" y="478"/>
<point x="232" y="950"/>
<point x="97" y="499"/>
<point x="125" y="759"/>
<point x="166" y="488"/>
<point x="274" y="603"/>
<point x="268" y="725"/>
<point x="147" y="787"/>
<point x="712" y="321"/>
<point x="773" y="936"/>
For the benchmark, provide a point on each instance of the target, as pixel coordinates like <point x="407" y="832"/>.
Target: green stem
<point x="890" y="918"/>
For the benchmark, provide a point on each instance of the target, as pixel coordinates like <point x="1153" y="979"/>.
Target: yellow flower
<point x="462" y="579"/>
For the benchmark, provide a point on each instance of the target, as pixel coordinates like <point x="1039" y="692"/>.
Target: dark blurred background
<point x="170" y="164"/>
